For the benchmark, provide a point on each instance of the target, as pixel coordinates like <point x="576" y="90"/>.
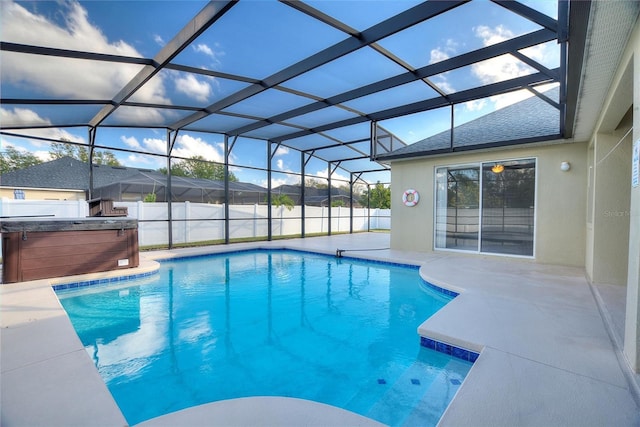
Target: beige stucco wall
<point x="608" y="233"/>
<point x="560" y="203"/>
<point x="44" y="194"/>
<point x="632" y="318"/>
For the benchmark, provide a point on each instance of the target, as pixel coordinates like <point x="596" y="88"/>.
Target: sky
<point x="241" y="42"/>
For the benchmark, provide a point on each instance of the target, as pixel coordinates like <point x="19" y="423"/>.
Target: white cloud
<point x="22" y="116"/>
<point x="498" y="69"/>
<point x="193" y="88"/>
<point x="45" y="156"/>
<point x="443" y="83"/>
<point x="441" y="53"/>
<point x="280" y="164"/>
<point x="438" y="55"/>
<point x="146" y="161"/>
<point x="277" y="182"/>
<point x="203" y="48"/>
<point x="537" y="52"/>
<point x="504" y="100"/>
<point x="27" y="117"/>
<point x="281" y="151"/>
<point x="141" y="116"/>
<point x="159" y="40"/>
<point x="337" y="180"/>
<point x="188" y="146"/>
<point x="214" y="53"/>
<point x="130" y="141"/>
<point x="491" y="36"/>
<point x="502" y="68"/>
<point x="64" y="77"/>
<point x="153" y="145"/>
<point x="475" y="105"/>
<point x="501" y="101"/>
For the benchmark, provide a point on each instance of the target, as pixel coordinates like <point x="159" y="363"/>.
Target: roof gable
<point x="533" y="119"/>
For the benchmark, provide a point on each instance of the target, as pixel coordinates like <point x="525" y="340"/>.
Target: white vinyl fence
<point x="199" y="222"/>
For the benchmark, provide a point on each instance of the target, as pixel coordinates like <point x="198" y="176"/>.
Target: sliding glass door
<point x="488" y="207"/>
<point x="457" y="207"/>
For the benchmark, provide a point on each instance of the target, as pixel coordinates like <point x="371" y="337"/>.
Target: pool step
<point x="405" y="394"/>
<point x="400" y="392"/>
<point x="432" y="403"/>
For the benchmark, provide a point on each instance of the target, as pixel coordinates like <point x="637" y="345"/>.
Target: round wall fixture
<point x="410" y="197"/>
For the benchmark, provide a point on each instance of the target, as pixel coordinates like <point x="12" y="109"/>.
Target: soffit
<point x="610" y="26"/>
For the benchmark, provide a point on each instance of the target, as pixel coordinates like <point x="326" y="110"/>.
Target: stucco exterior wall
<point x="44" y="194"/>
<point x="611" y="184"/>
<point x="560" y="200"/>
<point x="632" y="319"/>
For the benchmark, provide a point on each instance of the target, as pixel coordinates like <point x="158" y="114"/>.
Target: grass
<point x="242" y="240"/>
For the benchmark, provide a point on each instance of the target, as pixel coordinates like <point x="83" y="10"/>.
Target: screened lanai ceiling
<point x="321" y="77"/>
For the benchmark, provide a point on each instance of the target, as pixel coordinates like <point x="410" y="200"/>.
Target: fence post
<point x="140" y="217"/>
<point x="255" y="219"/>
<point x="187" y="223"/>
<point x="82" y="208"/>
<point x="3" y="205"/>
<point x="377" y="217"/>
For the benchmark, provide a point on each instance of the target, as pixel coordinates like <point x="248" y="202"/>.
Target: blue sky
<point x="241" y="43"/>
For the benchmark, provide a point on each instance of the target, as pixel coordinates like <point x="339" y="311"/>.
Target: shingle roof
<point x="530" y="120"/>
<point x="150" y="178"/>
<point x="65" y="173"/>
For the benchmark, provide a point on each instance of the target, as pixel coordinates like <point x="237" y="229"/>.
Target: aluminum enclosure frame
<point x="575" y="13"/>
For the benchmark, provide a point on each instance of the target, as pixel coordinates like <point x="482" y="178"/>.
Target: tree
<point x="282" y="200"/>
<point x="198" y="167"/>
<point x="463" y="188"/>
<point x="377" y="197"/>
<point x="81" y="152"/>
<point x="105" y="158"/>
<point x="13" y="159"/>
<point x="316" y="183"/>
<point x="150" y="198"/>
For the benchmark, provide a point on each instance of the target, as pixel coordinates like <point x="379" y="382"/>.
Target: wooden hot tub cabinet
<point x="40" y="249"/>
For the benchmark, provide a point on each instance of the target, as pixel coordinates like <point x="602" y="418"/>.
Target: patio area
<point x="549" y="352"/>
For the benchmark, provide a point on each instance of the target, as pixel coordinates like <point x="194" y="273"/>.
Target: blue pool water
<point x="280" y="323"/>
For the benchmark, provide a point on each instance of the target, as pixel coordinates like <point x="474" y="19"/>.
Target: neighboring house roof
<point x="309" y="191"/>
<point x="65" y="173"/>
<point x="110" y="181"/>
<point x="531" y="120"/>
<point x="151" y="178"/>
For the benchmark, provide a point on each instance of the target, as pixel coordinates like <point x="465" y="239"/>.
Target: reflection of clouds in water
<point x="407" y="310"/>
<point x="197" y="328"/>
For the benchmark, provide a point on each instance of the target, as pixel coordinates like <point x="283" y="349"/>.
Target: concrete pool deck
<point x="549" y="356"/>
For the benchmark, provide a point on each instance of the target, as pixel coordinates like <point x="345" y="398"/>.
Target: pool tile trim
<point x="272" y="249"/>
<point x="440" y="289"/>
<point x="82" y="284"/>
<point x="107" y="280"/>
<point x="449" y="349"/>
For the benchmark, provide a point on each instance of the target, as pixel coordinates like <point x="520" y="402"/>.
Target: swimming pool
<point x="269" y="323"/>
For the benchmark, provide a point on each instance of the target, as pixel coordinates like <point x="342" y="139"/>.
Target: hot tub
<point x="39" y="249"/>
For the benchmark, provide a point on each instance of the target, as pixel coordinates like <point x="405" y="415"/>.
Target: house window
<point x="488" y="207"/>
<point x="18" y="194"/>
